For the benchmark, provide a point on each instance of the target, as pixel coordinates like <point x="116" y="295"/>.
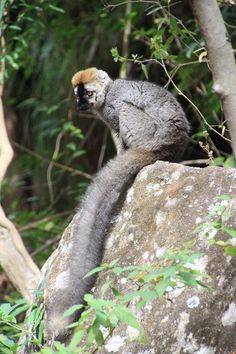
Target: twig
<point x="50" y="166"/>
<point x="38" y="222"/>
<point x="46" y="245"/>
<point x="195" y="162"/>
<point x="194" y="106"/>
<point x="57" y="164"/>
<point x="89" y="132"/>
<point x="103" y="149"/>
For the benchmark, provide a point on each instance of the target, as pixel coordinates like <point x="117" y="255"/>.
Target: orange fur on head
<point x="84" y="76"/>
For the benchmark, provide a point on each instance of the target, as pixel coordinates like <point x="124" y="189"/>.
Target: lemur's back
<point x="147" y="113"/>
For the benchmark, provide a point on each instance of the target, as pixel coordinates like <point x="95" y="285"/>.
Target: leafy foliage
<point x="100" y="316"/>
<point x="218" y="222"/>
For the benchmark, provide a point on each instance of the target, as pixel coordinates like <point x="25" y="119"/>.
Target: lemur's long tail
<point x="88" y="238"/>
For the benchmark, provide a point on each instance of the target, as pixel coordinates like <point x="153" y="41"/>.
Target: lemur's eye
<point x="89" y="93"/>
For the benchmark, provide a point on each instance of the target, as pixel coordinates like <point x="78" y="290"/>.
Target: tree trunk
<point x="221" y="58"/>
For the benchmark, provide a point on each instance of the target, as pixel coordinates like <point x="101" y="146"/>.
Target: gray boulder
<point x="160" y="211"/>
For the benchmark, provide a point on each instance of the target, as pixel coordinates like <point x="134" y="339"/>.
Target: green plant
<point x="10" y="329"/>
<point x="143" y="284"/>
<point x="100" y="316"/>
<point x="217" y="222"/>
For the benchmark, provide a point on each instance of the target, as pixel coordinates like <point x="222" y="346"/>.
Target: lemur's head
<point x="90" y="88"/>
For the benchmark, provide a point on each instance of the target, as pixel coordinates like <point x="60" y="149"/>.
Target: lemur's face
<point x="90" y="88"/>
<point x="86" y="96"/>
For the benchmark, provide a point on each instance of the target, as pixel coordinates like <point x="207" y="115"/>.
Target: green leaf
<point x="126" y="316"/>
<point x="101" y="318"/>
<point x="115" y="54"/>
<point x="220" y="243"/>
<point x="40" y="331"/>
<point x="113" y="262"/>
<point x="117" y="270"/>
<point x="6" y="341"/>
<point x="71" y="146"/>
<point x="148" y="296"/>
<point x="79" y="153"/>
<point x="144" y="68"/>
<point x="93" y="331"/>
<point x="204" y="285"/>
<point x="226" y="215"/>
<point x="46" y="351"/>
<point x="230" y="162"/>
<point x="68" y="126"/>
<point x="169" y="271"/>
<point x="52" y="109"/>
<point x="55" y="8"/>
<point x="153" y="275"/>
<point x="14" y="27"/>
<point x="99" y="338"/>
<point x="230" y="231"/>
<point x="116" y="292"/>
<point x="5" y="309"/>
<point x="93" y="271"/>
<point x="162" y="286"/>
<point x="21" y="306"/>
<point x="49" y="225"/>
<point x="140" y="304"/>
<point x="224" y="197"/>
<point x="230" y="250"/>
<point x="188" y="278"/>
<point x="106" y="286"/>
<point x="98" y="304"/>
<point x="72" y="309"/>
<point x="76" y="339"/>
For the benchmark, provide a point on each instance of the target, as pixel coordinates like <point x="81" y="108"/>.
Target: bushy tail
<point x="89" y="235"/>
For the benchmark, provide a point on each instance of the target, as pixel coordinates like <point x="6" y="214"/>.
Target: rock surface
<point x="164" y="205"/>
<point x="162" y="208"/>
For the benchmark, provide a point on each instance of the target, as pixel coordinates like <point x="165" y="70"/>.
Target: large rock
<point x="162" y="208"/>
<point x="164" y="205"/>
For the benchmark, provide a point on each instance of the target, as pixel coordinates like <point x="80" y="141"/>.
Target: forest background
<point x="57" y="149"/>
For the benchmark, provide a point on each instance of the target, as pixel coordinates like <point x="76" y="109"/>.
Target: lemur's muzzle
<point x="83" y="106"/>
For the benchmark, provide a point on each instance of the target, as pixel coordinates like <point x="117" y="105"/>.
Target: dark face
<point x="82" y="98"/>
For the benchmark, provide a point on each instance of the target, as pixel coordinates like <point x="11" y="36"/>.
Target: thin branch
<point x="103" y="149"/>
<point x="38" y="222"/>
<point x="194" y="106"/>
<point x="48" y="243"/>
<point x="195" y="162"/>
<point x="50" y="166"/>
<point x="56" y="164"/>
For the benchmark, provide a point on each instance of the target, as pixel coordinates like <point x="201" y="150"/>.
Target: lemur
<point x="150" y="125"/>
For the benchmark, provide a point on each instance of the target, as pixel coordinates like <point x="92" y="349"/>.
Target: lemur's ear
<point x="103" y="76"/>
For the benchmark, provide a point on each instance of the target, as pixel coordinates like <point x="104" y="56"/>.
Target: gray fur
<point x="151" y="125"/>
<point x="146" y="116"/>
